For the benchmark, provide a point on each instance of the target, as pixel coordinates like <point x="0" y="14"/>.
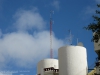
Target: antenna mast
<point x="51" y="50"/>
<point x="70" y="37"/>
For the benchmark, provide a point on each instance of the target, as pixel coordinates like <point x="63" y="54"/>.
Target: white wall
<point x="72" y="60"/>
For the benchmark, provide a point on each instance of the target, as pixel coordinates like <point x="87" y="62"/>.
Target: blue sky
<point x="24" y="30"/>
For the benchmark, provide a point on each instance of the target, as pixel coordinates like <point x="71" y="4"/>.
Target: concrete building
<point x="72" y="60"/>
<point x="48" y="67"/>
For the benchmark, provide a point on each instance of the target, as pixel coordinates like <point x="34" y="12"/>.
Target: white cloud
<point x="5" y="73"/>
<point x="23" y="49"/>
<point x="90" y="10"/>
<point x="29" y="19"/>
<point x="87" y="13"/>
<point x="1" y="74"/>
<point x="98" y="1"/>
<point x="56" y="4"/>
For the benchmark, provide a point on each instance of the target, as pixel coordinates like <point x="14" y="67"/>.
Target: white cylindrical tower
<point x="47" y="63"/>
<point x="72" y="60"/>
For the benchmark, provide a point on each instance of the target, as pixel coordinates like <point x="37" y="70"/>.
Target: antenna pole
<point x="77" y="40"/>
<point x="51" y="50"/>
<point x="70" y="37"/>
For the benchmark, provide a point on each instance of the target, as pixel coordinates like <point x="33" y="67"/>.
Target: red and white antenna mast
<point x="51" y="22"/>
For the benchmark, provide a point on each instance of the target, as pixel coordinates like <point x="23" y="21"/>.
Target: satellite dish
<point x="80" y="44"/>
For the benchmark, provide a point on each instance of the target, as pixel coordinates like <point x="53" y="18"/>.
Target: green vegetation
<point x="95" y="26"/>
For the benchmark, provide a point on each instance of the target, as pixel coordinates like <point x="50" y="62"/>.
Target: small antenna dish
<point x="80" y="44"/>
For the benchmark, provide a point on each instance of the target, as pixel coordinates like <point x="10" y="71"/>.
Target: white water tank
<point x="72" y="60"/>
<point x="47" y="63"/>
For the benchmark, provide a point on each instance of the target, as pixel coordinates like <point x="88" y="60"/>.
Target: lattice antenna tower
<point x="70" y="37"/>
<point x="51" y="22"/>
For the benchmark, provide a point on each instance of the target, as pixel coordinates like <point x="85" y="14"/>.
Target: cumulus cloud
<point x="22" y="49"/>
<point x="5" y="73"/>
<point x="29" y="19"/>
<point x="56" y="4"/>
<point x="25" y="49"/>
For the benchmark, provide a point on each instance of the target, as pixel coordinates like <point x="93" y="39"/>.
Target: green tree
<point x="95" y="26"/>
